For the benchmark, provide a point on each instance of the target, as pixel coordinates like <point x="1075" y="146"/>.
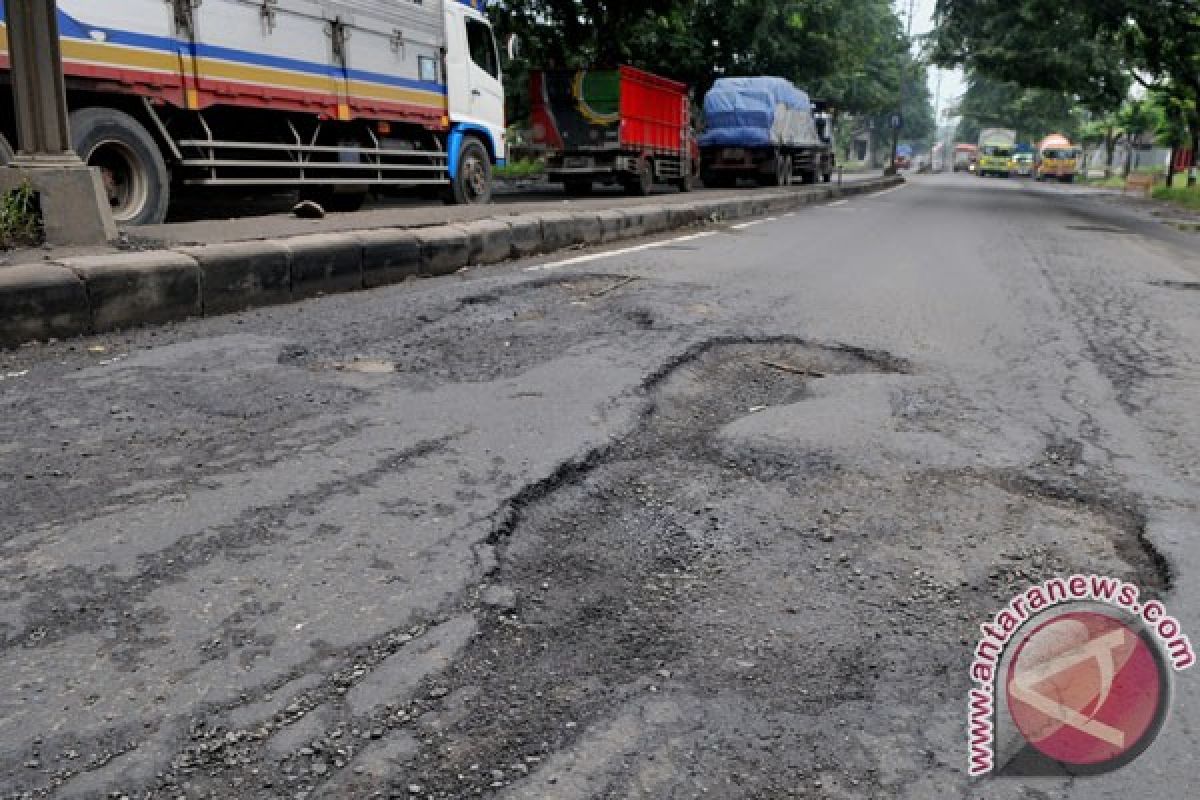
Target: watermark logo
<point x="1073" y="677"/>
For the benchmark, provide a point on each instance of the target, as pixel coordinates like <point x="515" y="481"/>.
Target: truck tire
<point x="473" y="183"/>
<point x="827" y="177"/>
<point x="643" y="183"/>
<point x="6" y="151"/>
<point x="130" y="163"/>
<point x="781" y="173"/>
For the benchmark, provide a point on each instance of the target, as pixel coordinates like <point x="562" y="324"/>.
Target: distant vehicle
<point x="904" y="156"/>
<point x="765" y="129"/>
<point x="1023" y="160"/>
<point x="1023" y="165"/>
<point x="622" y="126"/>
<point x="964" y="157"/>
<point x="996" y="147"/>
<point x="1057" y="159"/>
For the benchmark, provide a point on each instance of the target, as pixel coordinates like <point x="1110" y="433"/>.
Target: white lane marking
<point x="889" y="191"/>
<point x="838" y="203"/>
<point x="789" y="214"/>
<point x="620" y="252"/>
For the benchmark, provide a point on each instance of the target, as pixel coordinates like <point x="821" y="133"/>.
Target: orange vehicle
<point x="1057" y="159"/>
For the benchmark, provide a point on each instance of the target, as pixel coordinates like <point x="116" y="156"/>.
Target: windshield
<point x="997" y="151"/>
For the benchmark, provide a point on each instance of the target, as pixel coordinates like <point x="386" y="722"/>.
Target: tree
<point x="1033" y="113"/>
<point x="850" y="54"/>
<point x="1092" y="48"/>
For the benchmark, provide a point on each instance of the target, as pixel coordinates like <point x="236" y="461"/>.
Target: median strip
<point x="67" y="297"/>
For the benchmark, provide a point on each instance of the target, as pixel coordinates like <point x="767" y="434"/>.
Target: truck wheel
<point x="6" y="151"/>
<point x="643" y="183"/>
<point x="827" y="177"/>
<point x="131" y="166"/>
<point x="473" y="183"/>
<point x="688" y="181"/>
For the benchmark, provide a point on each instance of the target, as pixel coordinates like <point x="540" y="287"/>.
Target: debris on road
<point x="307" y="209"/>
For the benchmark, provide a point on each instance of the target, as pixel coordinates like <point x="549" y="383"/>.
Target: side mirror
<point x="512" y="46"/>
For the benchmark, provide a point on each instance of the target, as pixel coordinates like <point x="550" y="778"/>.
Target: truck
<point x="767" y="130"/>
<point x="996" y="147"/>
<point x="333" y="98"/>
<point x="965" y="157"/>
<point x="1057" y="159"/>
<point x="1023" y="159"/>
<point x="621" y="127"/>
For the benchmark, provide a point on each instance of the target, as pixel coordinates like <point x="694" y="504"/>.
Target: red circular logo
<point x="1086" y="689"/>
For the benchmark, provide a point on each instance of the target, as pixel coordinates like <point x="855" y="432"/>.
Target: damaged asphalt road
<point x="716" y="519"/>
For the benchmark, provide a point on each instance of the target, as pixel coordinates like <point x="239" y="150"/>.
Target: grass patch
<point x="1180" y="196"/>
<point x="20" y="218"/>
<point x="525" y="168"/>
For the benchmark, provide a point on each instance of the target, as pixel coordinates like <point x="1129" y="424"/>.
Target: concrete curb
<point x="77" y="296"/>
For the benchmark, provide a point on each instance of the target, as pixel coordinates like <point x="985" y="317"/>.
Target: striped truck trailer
<point x="332" y="97"/>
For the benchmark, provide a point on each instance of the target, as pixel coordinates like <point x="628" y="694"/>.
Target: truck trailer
<point x="621" y="126"/>
<point x="764" y="129"/>
<point x="330" y="97"/>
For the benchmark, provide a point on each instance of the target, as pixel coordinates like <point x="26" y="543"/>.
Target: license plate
<point x="577" y="162"/>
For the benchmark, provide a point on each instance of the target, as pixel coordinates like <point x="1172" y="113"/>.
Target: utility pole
<point x="899" y="117"/>
<point x="74" y="206"/>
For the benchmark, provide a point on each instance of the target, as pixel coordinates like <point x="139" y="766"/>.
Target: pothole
<point x="510" y="329"/>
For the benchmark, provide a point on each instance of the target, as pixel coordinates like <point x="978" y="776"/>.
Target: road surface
<point x="714" y="518"/>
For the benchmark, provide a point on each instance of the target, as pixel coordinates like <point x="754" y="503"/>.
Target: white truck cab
<point x="334" y="98"/>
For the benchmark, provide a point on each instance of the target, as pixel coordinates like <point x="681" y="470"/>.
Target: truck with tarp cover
<point x="623" y="126"/>
<point x="764" y="129"/>
<point x="330" y="97"/>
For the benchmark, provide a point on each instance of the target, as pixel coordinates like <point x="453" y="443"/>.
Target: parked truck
<point x="622" y="126"/>
<point x="331" y="97"/>
<point x="996" y="146"/>
<point x="764" y="129"/>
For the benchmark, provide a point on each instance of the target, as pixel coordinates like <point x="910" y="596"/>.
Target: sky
<point x="953" y="81"/>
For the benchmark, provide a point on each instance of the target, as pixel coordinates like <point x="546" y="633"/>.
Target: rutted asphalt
<point x="726" y="529"/>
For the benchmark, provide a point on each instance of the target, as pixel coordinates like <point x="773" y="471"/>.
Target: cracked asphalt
<point x="714" y="519"/>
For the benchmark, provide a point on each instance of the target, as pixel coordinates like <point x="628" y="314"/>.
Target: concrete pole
<point x="74" y="206"/>
<point x="38" y="87"/>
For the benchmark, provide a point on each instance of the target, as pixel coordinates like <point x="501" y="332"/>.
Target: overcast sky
<point x="953" y="83"/>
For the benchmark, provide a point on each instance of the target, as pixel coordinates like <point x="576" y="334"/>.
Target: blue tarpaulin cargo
<point x="756" y="112"/>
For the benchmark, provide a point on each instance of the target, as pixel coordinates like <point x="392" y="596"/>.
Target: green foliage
<point x="1093" y="49"/>
<point x="20" y="219"/>
<point x="1188" y="198"/>
<point x="1056" y="45"/>
<point x="1033" y="113"/>
<point x="849" y="54"/>
<point x="524" y="168"/>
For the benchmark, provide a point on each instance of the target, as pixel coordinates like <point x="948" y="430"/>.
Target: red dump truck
<point x="621" y="126"/>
